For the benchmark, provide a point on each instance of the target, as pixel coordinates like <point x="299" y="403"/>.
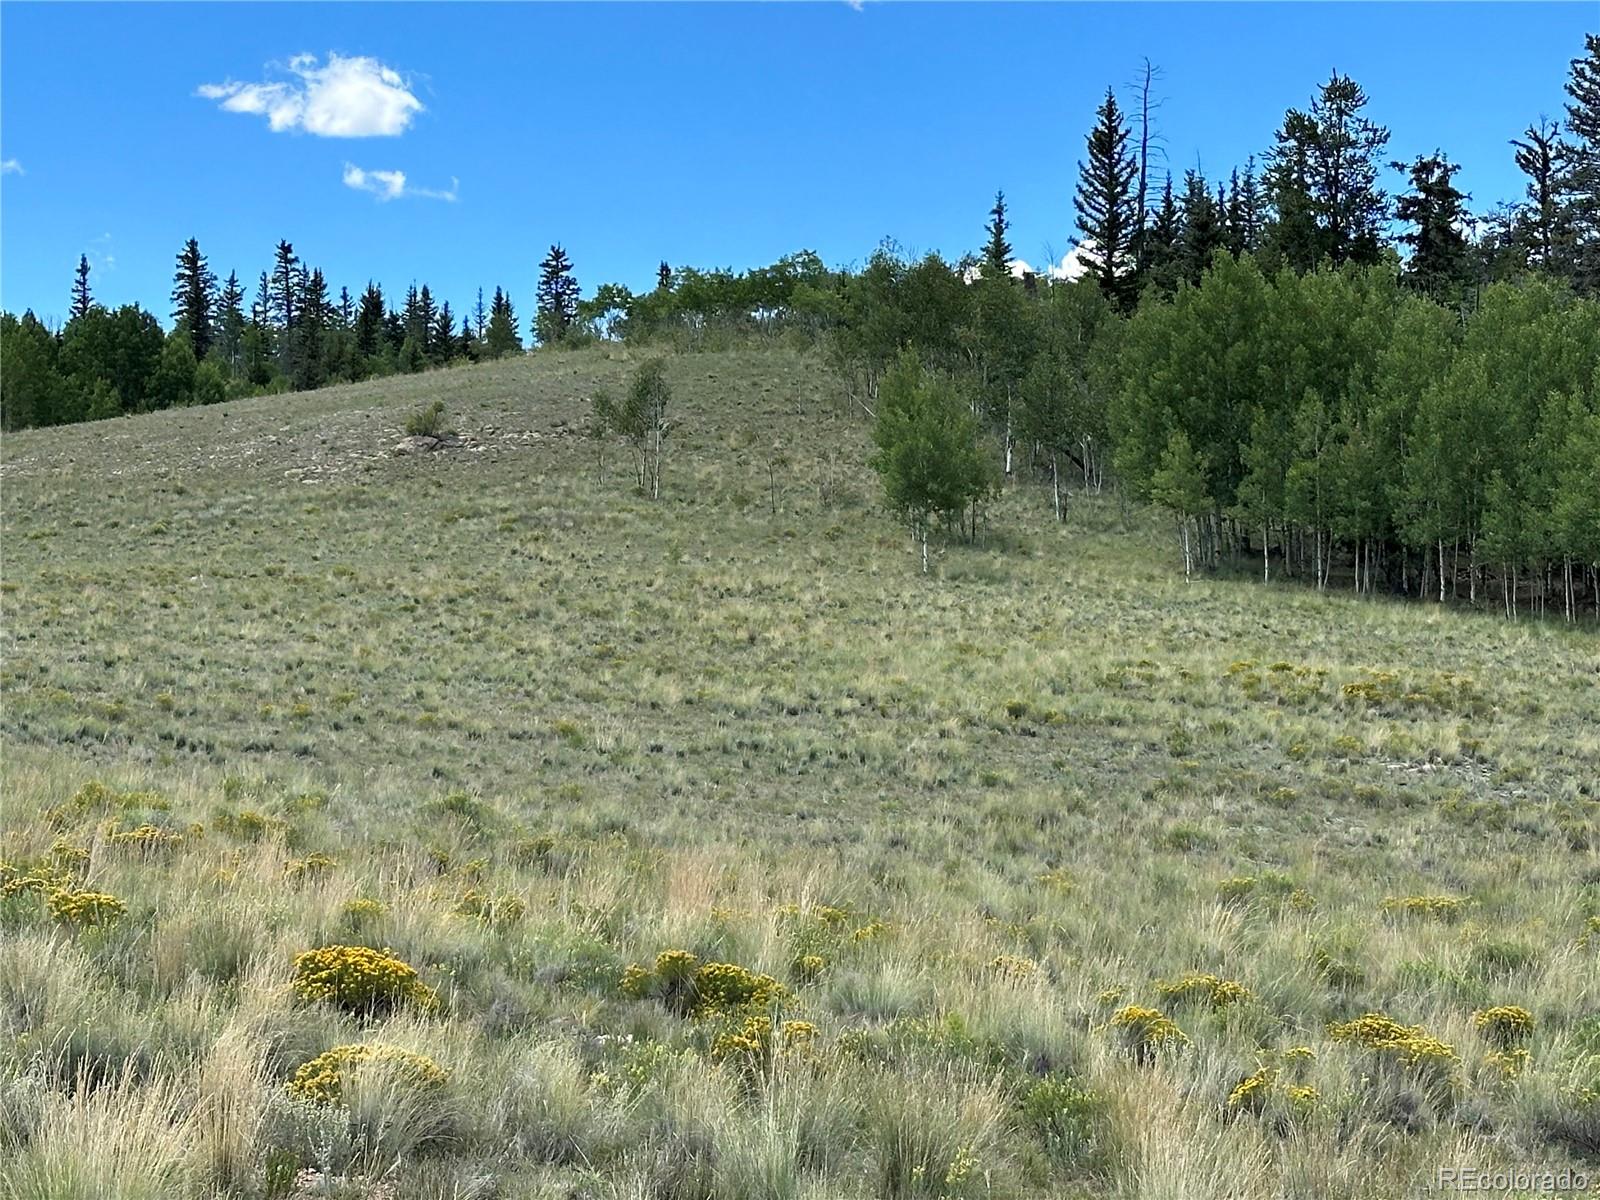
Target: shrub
<point x="1439" y="908"/>
<point x="426" y="422"/>
<point x="1067" y="1118"/>
<point x="322" y="1080"/>
<point x="148" y="839"/>
<point x="689" y="987"/>
<point x="360" y="979"/>
<point x="1505" y="1025"/>
<point x="1146" y="1031"/>
<point x="755" y="1042"/>
<point x="86" y="910"/>
<point x="1409" y="1045"/>
<point x="312" y="866"/>
<point x="1193" y="987"/>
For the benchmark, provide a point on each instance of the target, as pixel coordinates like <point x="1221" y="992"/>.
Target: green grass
<point x="546" y="729"/>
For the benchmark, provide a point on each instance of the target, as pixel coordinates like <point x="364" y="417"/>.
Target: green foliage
<point x="928" y="453"/>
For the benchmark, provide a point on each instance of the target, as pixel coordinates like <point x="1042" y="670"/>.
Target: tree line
<point x="223" y="343"/>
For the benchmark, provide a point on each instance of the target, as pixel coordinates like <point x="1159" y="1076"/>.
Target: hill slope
<point x="544" y="729"/>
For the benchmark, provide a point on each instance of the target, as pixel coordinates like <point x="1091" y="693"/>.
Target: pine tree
<point x="1163" y="230"/>
<point x="557" y="297"/>
<point x="997" y="252"/>
<point x="502" y="337"/>
<point x="1541" y="155"/>
<point x="369" y="322"/>
<point x="283" y="296"/>
<point x="1435" y="210"/>
<point x="231" y="321"/>
<point x="479" y="320"/>
<point x="663" y="277"/>
<point x="308" y="361"/>
<point x="427" y="320"/>
<point x="442" y="345"/>
<point x="1583" y="175"/>
<point x="345" y="310"/>
<point x="82" y="301"/>
<point x="1324" y="174"/>
<point x="1105" y="204"/>
<point x="194" y="291"/>
<point x="1203" y="231"/>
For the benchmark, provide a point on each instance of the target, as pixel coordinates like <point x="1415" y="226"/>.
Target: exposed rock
<point x="416" y="444"/>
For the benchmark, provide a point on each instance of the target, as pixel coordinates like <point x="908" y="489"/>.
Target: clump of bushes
<point x="323" y="1079"/>
<point x="1504" y="1026"/>
<point x="495" y="909"/>
<point x="1409" y="1045"/>
<point x="689" y="987"/>
<point x="312" y="866"/>
<point x="84" y="910"/>
<point x="1147" y="1031"/>
<point x="758" y="1040"/>
<point x="147" y="839"/>
<point x="1438" y="908"/>
<point x="360" y="979"/>
<point x="1195" y="986"/>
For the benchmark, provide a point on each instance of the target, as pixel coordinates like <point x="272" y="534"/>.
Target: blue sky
<point x="708" y="134"/>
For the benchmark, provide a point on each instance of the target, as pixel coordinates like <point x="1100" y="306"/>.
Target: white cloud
<point x="392" y="185"/>
<point x="11" y="167"/>
<point x="1072" y="264"/>
<point x="346" y="97"/>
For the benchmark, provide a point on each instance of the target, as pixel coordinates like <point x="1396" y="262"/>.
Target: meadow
<point x="703" y="848"/>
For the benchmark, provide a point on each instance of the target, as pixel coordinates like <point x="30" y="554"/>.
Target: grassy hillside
<point x="272" y="688"/>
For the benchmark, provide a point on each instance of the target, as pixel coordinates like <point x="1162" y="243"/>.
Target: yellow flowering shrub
<point x="147" y="839"/>
<point x="1196" y="987"/>
<point x="1252" y="1091"/>
<point x="1145" y="1031"/>
<point x="692" y="988"/>
<point x="1409" y="1045"/>
<point x="1508" y="1064"/>
<point x="492" y="908"/>
<point x="360" y="979"/>
<point x="85" y="910"/>
<point x="1505" y="1025"/>
<point x="1013" y="967"/>
<point x="361" y="910"/>
<point x="755" y="1042"/>
<point x="312" y="866"/>
<point x="1438" y="908"/>
<point x="322" y="1080"/>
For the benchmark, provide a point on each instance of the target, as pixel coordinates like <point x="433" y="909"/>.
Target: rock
<point x="416" y="444"/>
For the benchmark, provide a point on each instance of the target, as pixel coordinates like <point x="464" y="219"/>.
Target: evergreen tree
<point x="427" y="321"/>
<point x="82" y="301"/>
<point x="663" y="277"/>
<point x="231" y="322"/>
<point x="997" y="251"/>
<point x="309" y="359"/>
<point x="1582" y="181"/>
<point x="172" y="384"/>
<point x="502" y="337"/>
<point x="194" y="293"/>
<point x="480" y="320"/>
<point x="283" y="294"/>
<point x="1324" y="170"/>
<point x="557" y="297"/>
<point x="1163" y="232"/>
<point x="443" y="345"/>
<point x="1435" y="210"/>
<point x="1203" y="232"/>
<point x="1542" y="221"/>
<point x="1105" y="204"/>
<point x="369" y="333"/>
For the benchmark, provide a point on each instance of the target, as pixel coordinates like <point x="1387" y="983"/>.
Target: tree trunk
<point x="924" y="549"/>
<point x="1055" y="483"/>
